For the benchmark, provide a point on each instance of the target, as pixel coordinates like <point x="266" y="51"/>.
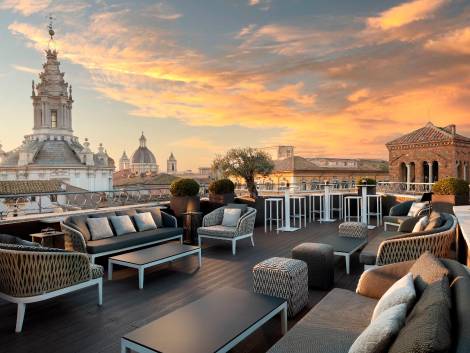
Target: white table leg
<point x="199" y="255"/>
<point x="265" y="216"/>
<point x="110" y="270"/>
<point x="20" y="317"/>
<point x="284" y="320"/>
<point x="141" y="277"/>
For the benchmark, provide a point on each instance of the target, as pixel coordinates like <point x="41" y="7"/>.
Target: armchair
<point x="399" y="214"/>
<point x="212" y="227"/>
<point x="32" y="274"/>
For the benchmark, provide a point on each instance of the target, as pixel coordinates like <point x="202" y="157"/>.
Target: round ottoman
<point x="320" y="262"/>
<point x="283" y="278"/>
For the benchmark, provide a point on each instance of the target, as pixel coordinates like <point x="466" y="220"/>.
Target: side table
<point x="51" y="239"/>
<point x="191" y="222"/>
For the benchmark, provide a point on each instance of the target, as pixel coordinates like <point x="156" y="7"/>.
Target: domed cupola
<point x="143" y="160"/>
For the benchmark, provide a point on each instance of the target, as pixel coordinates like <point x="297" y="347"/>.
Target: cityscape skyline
<point x="253" y="77"/>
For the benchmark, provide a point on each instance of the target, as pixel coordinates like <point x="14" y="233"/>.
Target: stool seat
<point x="320" y="262"/>
<point x="283" y="278"/>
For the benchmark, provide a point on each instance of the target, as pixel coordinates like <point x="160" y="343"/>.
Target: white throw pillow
<point x="415" y="208"/>
<point x="122" y="224"/>
<point x="381" y="332"/>
<point x="99" y="228"/>
<point x="421" y="224"/>
<point x="144" y="221"/>
<point x="401" y="292"/>
<point x="231" y="217"/>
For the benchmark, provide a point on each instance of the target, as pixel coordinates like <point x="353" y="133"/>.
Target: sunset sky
<point x="333" y="78"/>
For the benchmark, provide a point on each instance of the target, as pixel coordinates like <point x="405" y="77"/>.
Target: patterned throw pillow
<point x="426" y="270"/>
<point x="144" y="221"/>
<point x="122" y="224"/>
<point x="415" y="208"/>
<point x="99" y="228"/>
<point x="379" y="335"/>
<point x="420" y="225"/>
<point x="401" y="292"/>
<point x="231" y="217"/>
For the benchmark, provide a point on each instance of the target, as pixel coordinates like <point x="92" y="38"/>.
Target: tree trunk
<point x="251" y="186"/>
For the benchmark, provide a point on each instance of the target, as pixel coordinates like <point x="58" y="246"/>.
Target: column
<point x="408" y="176"/>
<point x="465" y="171"/>
<point x="430" y="172"/>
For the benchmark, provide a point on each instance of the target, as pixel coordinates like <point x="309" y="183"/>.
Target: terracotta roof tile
<point x="15" y="187"/>
<point x="429" y="133"/>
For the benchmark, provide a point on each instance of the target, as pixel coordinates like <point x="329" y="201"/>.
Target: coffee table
<point x="217" y="322"/>
<point x="150" y="257"/>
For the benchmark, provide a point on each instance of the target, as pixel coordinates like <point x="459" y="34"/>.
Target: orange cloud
<point x="455" y="42"/>
<point x="25" y="7"/>
<point x="405" y="13"/>
<point x="358" y="95"/>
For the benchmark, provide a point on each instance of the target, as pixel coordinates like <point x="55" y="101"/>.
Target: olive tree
<point x="244" y="163"/>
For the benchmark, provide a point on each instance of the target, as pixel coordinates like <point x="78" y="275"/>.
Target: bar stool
<point x="269" y="204"/>
<point x="378" y="208"/>
<point x="301" y="202"/>
<point x="347" y="208"/>
<point x="313" y="210"/>
<point x="340" y="197"/>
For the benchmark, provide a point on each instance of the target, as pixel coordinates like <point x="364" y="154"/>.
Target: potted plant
<point x="370" y="183"/>
<point x="184" y="196"/>
<point x="449" y="192"/>
<point x="221" y="191"/>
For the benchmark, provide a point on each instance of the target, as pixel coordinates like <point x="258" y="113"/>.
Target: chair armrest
<point x="74" y="240"/>
<point x="48" y="271"/>
<point x="213" y="218"/>
<point x="168" y="220"/>
<point x="411" y="247"/>
<point x="352" y="230"/>
<point x="376" y="281"/>
<point x="401" y="209"/>
<point x="246" y="223"/>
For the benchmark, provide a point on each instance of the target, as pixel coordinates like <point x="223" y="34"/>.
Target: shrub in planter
<point x="184" y="196"/>
<point x="221" y="191"/>
<point x="369" y="182"/>
<point x="449" y="192"/>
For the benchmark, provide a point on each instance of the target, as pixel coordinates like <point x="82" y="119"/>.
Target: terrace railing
<point x="389" y="187"/>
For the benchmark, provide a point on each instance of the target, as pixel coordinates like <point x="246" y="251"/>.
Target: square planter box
<point x="445" y="203"/>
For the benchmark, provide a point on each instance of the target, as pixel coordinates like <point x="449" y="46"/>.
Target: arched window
<point x="403" y="172"/>
<point x="435" y="172"/>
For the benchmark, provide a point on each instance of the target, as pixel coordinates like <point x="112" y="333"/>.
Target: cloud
<point x="405" y="14"/>
<point x="455" y="42"/>
<point x="264" y="5"/>
<point x="246" y="30"/>
<point x="162" y="11"/>
<point x="197" y="143"/>
<point x="25" y="7"/>
<point x="358" y="95"/>
<point x="26" y="69"/>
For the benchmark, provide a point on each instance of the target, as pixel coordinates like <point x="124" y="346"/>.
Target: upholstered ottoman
<point x="283" y="278"/>
<point x="320" y="262"/>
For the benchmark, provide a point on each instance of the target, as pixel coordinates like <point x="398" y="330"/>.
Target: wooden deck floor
<point x="75" y="324"/>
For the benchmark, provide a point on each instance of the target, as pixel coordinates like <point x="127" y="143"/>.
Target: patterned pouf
<point x="283" y="278"/>
<point x="320" y="262"/>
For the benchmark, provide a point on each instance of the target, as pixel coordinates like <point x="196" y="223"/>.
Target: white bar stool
<point x="314" y="210"/>
<point x="299" y="209"/>
<point x="347" y="208"/>
<point x="340" y="197"/>
<point x="269" y="204"/>
<point x="378" y="208"/>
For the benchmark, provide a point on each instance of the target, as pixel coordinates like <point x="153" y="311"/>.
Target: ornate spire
<point x="33" y="91"/>
<point x="70" y="92"/>
<point x="143" y="140"/>
<point x="51" y="31"/>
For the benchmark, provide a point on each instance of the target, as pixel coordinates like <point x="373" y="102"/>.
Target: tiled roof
<point x="295" y="163"/>
<point x="298" y="163"/>
<point x="430" y="133"/>
<point x="14" y="187"/>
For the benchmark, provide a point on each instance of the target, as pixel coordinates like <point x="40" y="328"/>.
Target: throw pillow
<point x="401" y="292"/>
<point x="420" y="225"/>
<point x="144" y="221"/>
<point x="122" y="224"/>
<point x="243" y="207"/>
<point x="156" y="214"/>
<point x="99" y="228"/>
<point x="416" y="207"/>
<point x="426" y="270"/>
<point x="379" y="335"/>
<point x="435" y="221"/>
<point x="428" y="327"/>
<point x="231" y="217"/>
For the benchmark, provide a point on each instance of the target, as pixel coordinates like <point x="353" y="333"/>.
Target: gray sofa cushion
<point x="156" y="214"/>
<point x="218" y="231"/>
<point x="131" y="239"/>
<point x="79" y="223"/>
<point x="122" y="224"/>
<point x="99" y="228"/>
<point x="331" y="326"/>
<point x="144" y="221"/>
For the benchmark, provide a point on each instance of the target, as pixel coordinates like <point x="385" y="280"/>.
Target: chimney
<point x="452" y="129"/>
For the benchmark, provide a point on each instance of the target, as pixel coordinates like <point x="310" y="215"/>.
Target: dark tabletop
<point x="159" y="252"/>
<point x="210" y="322"/>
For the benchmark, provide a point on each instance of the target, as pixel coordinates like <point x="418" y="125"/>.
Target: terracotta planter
<point x="182" y="204"/>
<point x="445" y="203"/>
<point x="221" y="198"/>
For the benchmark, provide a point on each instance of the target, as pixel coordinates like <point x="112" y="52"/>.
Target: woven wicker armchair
<point x="399" y="214"/>
<point x="212" y="227"/>
<point x="31" y="274"/>
<point x="411" y="247"/>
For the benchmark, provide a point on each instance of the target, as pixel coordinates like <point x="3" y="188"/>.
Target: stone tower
<point x="171" y="167"/>
<point x="124" y="162"/>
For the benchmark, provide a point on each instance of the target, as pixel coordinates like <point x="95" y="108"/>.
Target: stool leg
<point x="265" y="215"/>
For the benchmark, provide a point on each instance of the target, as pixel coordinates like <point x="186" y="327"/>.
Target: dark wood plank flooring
<point x="75" y="324"/>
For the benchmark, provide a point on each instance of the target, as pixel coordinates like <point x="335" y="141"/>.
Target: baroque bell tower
<point x="52" y="97"/>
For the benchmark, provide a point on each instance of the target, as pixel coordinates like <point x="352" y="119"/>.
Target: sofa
<point x="342" y="315"/>
<point x="31" y="273"/>
<point x="399" y="214"/>
<point x="78" y="237"/>
<point x="402" y="245"/>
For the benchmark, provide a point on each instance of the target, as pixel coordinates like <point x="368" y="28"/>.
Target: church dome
<point x="143" y="154"/>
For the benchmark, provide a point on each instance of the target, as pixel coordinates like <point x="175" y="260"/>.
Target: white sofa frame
<point x="233" y="240"/>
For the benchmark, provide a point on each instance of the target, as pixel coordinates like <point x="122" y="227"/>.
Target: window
<point x="53" y="118"/>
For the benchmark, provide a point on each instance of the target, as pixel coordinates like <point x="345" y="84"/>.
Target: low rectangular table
<point x="218" y="322"/>
<point x="150" y="257"/>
